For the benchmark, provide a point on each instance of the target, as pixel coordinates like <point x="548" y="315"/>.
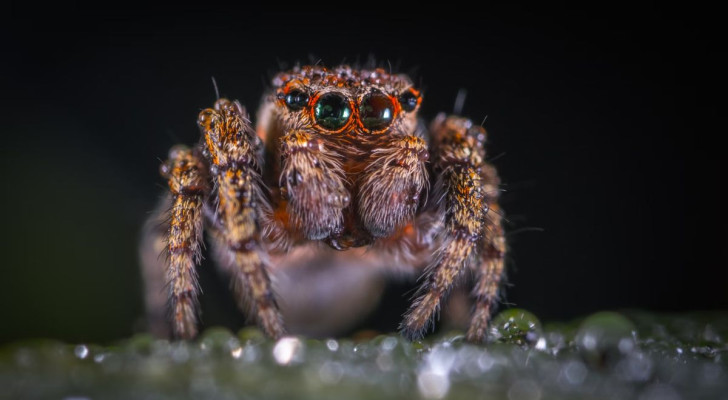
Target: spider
<point x="340" y="171"/>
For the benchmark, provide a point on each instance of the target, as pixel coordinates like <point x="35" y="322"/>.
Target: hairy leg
<point x="489" y="270"/>
<point x="396" y="176"/>
<point x="462" y="202"/>
<point x="234" y="152"/>
<point x="175" y="233"/>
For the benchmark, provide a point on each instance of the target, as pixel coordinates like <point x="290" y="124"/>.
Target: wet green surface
<point x="629" y="355"/>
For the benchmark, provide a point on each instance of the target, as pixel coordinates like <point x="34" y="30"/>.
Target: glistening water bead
<point x="516" y="326"/>
<point x="605" y="337"/>
<point x="657" y="365"/>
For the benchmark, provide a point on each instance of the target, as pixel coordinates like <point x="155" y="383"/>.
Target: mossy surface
<point x="629" y="355"/>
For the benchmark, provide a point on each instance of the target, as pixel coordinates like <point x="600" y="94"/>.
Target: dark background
<point x="603" y="122"/>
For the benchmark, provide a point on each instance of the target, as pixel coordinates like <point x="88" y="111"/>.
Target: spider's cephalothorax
<point x="338" y="156"/>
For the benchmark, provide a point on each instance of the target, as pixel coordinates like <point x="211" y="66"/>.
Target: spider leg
<point x="396" y="177"/>
<point x="462" y="203"/>
<point x="185" y="172"/>
<point x="234" y="152"/>
<point x="489" y="270"/>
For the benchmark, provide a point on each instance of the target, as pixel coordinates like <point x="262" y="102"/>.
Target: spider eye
<point x="296" y="100"/>
<point x="332" y="111"/>
<point x="376" y="111"/>
<point x="408" y="100"/>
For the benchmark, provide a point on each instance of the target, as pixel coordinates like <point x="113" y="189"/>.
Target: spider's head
<point x="346" y="101"/>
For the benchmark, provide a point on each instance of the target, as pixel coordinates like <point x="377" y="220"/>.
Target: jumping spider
<point x="338" y="157"/>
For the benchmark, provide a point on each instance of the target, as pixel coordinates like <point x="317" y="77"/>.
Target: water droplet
<point x="389" y="343"/>
<point x="516" y="326"/>
<point x="236" y="352"/>
<point x="636" y="367"/>
<point x="251" y="334"/>
<point x="710" y="335"/>
<point x="332" y="345"/>
<point x="485" y="362"/>
<point x="574" y="372"/>
<point x="251" y="354"/>
<point x="626" y="345"/>
<point x="331" y="372"/>
<point x="433" y="385"/>
<point x="218" y="341"/>
<point x="385" y="362"/>
<point x="440" y="359"/>
<point x="81" y="351"/>
<point x="180" y="353"/>
<point x="605" y="337"/>
<point x="141" y="344"/>
<point x="288" y="350"/>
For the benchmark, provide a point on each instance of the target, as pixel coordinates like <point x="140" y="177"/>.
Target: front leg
<point x="234" y="153"/>
<point x="462" y="198"/>
<point x="171" y="246"/>
<point x="489" y="269"/>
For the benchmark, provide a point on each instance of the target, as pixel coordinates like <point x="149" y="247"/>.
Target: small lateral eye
<point x="376" y="111"/>
<point x="408" y="100"/>
<point x="332" y="111"/>
<point x="296" y="99"/>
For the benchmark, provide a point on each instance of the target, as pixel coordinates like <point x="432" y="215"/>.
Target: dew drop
<point x="516" y="326"/>
<point x="385" y="362"/>
<point x="180" y="353"/>
<point x="433" y="385"/>
<point x="219" y="341"/>
<point x="332" y="345"/>
<point x="485" y="362"/>
<point x="389" y="343"/>
<point x="636" y="367"/>
<point x="605" y="337"/>
<point x="288" y="350"/>
<point x="331" y="372"/>
<point x="81" y="351"/>
<point x="574" y="372"/>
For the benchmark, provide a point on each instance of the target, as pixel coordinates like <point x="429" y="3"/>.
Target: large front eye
<point x="332" y="111"/>
<point x="376" y="111"/>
